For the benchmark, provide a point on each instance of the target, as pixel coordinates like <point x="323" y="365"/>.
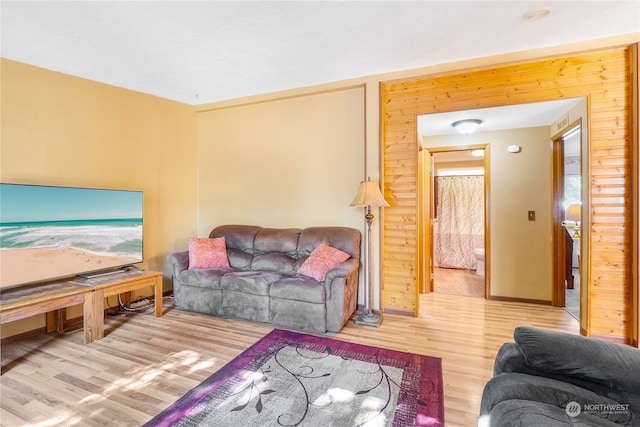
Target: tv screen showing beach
<point x="53" y="232"/>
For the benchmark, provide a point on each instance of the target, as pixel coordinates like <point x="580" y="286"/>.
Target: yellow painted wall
<point x="293" y="162"/>
<point x="62" y="130"/>
<point x="521" y="250"/>
<point x="471" y="164"/>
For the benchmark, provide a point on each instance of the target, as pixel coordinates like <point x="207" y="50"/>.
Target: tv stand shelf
<point x="21" y="302"/>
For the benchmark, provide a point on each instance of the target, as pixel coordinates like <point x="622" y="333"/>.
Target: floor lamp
<point x="368" y="196"/>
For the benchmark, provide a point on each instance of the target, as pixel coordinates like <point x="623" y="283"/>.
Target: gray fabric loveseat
<point x="552" y="379"/>
<point x="263" y="280"/>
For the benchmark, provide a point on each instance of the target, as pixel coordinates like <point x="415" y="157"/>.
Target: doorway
<point x="522" y="198"/>
<point x="568" y="208"/>
<point x="455" y="220"/>
<point x="608" y="180"/>
<point x="458" y="226"/>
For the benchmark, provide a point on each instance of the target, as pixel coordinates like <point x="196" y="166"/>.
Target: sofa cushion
<point x="207" y="253"/>
<point x="237" y="236"/>
<point x="298" y="315"/>
<point x="611" y="365"/>
<point x="270" y="240"/>
<point x="249" y="282"/>
<point x="299" y="288"/>
<point x="239" y="259"/>
<point x="321" y="260"/>
<point x="239" y="239"/>
<point x="343" y="238"/>
<point x="276" y="262"/>
<point x="204" y="278"/>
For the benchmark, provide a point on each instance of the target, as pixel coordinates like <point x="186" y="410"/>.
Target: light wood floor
<point x="145" y="363"/>
<point x="454" y="281"/>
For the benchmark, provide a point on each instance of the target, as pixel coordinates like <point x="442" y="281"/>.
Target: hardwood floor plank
<point x="145" y="363"/>
<point x="10" y="417"/>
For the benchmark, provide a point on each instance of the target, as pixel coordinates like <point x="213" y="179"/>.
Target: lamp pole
<point x="369" y="318"/>
<point x="368" y="195"/>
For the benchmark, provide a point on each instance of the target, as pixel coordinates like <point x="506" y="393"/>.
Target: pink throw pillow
<point x="322" y="259"/>
<point x="207" y="253"/>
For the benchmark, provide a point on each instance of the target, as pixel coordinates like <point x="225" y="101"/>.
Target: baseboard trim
<point x="617" y="340"/>
<point x="70" y="326"/>
<point x="400" y="312"/>
<point x="24" y="335"/>
<point x="362" y="309"/>
<point x="524" y="300"/>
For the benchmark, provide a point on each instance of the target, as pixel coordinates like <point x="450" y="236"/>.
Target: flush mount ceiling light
<point x="466" y="126"/>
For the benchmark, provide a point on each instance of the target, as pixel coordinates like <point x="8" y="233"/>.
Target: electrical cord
<point x="137" y="310"/>
<point x="123" y="310"/>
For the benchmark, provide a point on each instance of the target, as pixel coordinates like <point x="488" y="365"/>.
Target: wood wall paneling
<point x="604" y="78"/>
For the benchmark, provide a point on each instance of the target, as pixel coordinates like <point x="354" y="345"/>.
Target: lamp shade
<point x="573" y="213"/>
<point x="369" y="195"/>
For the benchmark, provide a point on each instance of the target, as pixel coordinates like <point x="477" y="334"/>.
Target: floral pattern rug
<point x="294" y="379"/>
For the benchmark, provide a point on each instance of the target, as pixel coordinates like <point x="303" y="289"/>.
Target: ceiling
<point x="198" y="52"/>
<point x="517" y="116"/>
<point x="497" y="118"/>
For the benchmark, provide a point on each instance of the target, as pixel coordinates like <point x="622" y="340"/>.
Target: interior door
<point x="559" y="248"/>
<point x="566" y="149"/>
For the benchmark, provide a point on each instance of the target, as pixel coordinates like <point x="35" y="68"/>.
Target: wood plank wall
<point x="604" y="78"/>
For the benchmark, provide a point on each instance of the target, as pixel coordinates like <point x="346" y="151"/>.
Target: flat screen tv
<point x="51" y="232"/>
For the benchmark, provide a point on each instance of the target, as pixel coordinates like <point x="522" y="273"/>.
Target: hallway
<point x="453" y="281"/>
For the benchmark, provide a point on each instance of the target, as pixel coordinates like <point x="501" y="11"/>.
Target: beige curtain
<point x="460" y="225"/>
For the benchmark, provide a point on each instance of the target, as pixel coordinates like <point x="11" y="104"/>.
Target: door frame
<point x="559" y="250"/>
<point x="559" y="247"/>
<point x="426" y="204"/>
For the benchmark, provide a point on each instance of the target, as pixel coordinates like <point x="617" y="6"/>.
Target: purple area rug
<point x="293" y="379"/>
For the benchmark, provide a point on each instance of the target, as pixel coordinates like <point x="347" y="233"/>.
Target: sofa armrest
<point x="179" y="261"/>
<point x="580" y="359"/>
<point x="509" y="359"/>
<point x="341" y="285"/>
<point x="342" y="270"/>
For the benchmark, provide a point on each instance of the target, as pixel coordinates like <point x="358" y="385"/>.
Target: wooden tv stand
<point x="50" y="298"/>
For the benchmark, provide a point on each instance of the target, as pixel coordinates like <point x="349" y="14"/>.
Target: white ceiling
<point x="198" y="52"/>
<point x="497" y="118"/>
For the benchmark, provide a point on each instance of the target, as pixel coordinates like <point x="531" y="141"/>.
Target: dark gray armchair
<point x="552" y="379"/>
